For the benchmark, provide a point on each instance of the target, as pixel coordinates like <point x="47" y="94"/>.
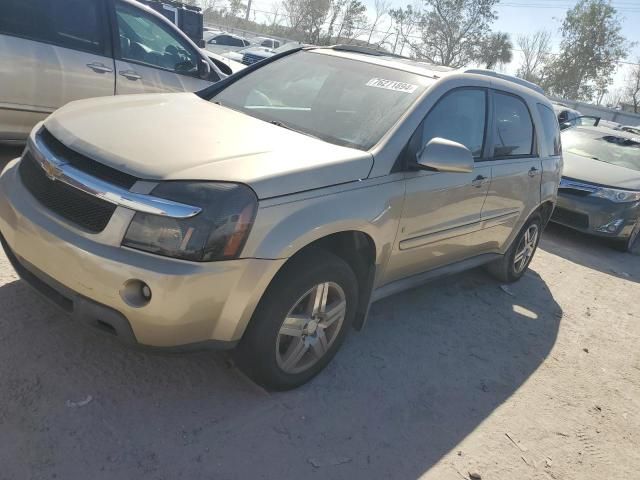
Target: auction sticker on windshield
<point x="392" y="85"/>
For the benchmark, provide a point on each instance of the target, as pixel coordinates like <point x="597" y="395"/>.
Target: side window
<point x="460" y="116"/>
<point x="144" y="39"/>
<point x="513" y="133"/>
<point x="224" y="40"/>
<point x="563" y="116"/>
<point x="551" y="128"/>
<point x="75" y="24"/>
<point x="236" y="42"/>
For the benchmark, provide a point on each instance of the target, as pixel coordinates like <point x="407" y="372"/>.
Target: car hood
<point x="180" y="136"/>
<point x="601" y="173"/>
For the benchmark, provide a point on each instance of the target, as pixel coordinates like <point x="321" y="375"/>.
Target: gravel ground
<point x="537" y="381"/>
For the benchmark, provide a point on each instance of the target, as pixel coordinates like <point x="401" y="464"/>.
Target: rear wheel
<point x="301" y="321"/>
<point x="515" y="262"/>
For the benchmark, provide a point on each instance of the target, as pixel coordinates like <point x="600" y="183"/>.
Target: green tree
<point x="495" y="49"/>
<point x="590" y="49"/>
<point x="453" y="30"/>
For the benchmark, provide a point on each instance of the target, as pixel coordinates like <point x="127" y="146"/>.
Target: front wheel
<point x="301" y="321"/>
<point x="515" y="262"/>
<point x="631" y="244"/>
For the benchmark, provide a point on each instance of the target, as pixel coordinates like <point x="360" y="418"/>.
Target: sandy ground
<point x="458" y="376"/>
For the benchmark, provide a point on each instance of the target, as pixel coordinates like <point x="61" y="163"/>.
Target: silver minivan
<point x="56" y="51"/>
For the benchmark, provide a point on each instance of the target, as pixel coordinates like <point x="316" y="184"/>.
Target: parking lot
<point x="538" y="380"/>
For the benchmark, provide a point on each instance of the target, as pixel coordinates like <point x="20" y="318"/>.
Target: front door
<point x="441" y="221"/>
<point x="152" y="57"/>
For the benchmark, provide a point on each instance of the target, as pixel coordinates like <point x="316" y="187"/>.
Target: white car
<point x="225" y="64"/>
<point x="226" y="42"/>
<point x="208" y="33"/>
<point x="238" y="56"/>
<point x="266" y="42"/>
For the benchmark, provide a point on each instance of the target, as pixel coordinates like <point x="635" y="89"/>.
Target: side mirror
<point x="204" y="69"/>
<point x="201" y="43"/>
<point x="445" y="156"/>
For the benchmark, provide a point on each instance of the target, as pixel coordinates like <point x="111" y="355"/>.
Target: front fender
<point x="285" y="225"/>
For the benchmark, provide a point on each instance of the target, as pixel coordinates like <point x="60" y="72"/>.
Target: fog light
<point x="146" y="292"/>
<point x="611" y="227"/>
<point x="135" y="293"/>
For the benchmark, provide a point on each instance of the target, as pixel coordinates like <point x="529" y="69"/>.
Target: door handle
<point x="99" y="68"/>
<point x="478" y="181"/>
<point x="533" y="172"/>
<point x="130" y="75"/>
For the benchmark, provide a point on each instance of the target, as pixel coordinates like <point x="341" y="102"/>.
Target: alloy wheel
<point x="526" y="247"/>
<point x="311" y="327"/>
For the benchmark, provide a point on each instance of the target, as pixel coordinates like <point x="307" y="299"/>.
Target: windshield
<point x="342" y="101"/>
<point x="605" y="147"/>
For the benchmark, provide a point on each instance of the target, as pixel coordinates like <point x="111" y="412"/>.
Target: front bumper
<point x="593" y="215"/>
<point x="191" y="303"/>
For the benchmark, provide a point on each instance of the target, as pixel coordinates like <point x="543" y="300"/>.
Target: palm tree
<point x="495" y="49"/>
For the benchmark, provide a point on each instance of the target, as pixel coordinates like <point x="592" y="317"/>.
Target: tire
<point x="506" y="269"/>
<point x="631" y="244"/>
<point x="268" y="350"/>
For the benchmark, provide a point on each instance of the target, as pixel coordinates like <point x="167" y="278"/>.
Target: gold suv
<point x="269" y="211"/>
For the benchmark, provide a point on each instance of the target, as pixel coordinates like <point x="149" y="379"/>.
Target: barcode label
<point x="392" y="85"/>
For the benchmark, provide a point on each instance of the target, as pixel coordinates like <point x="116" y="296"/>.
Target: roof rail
<point x="508" y="78"/>
<point x="365" y="50"/>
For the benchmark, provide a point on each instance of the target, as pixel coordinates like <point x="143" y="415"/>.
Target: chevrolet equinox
<point x="267" y="212"/>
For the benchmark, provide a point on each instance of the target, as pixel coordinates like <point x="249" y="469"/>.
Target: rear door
<point x="441" y="221"/>
<point x="516" y="169"/>
<point x="50" y="53"/>
<point x="151" y="56"/>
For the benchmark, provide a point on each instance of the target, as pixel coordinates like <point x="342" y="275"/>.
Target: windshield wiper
<point x="278" y="123"/>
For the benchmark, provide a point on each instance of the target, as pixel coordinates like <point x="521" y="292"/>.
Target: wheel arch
<point x="358" y="249"/>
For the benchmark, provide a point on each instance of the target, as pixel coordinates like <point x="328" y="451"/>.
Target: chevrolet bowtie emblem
<point x="51" y="170"/>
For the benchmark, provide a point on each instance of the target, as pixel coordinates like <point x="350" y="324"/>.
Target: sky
<point x="518" y="17"/>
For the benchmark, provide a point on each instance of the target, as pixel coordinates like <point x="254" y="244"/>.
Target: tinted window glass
<point x="72" y="24"/>
<point x="551" y="129"/>
<point x="339" y="100"/>
<point x="514" y="130"/>
<point x="144" y="39"/>
<point x="219" y="40"/>
<point x="460" y="116"/>
<point x="563" y="116"/>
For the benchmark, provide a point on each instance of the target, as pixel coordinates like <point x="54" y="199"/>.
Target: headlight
<point x="218" y="232"/>
<point x="618" y="196"/>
